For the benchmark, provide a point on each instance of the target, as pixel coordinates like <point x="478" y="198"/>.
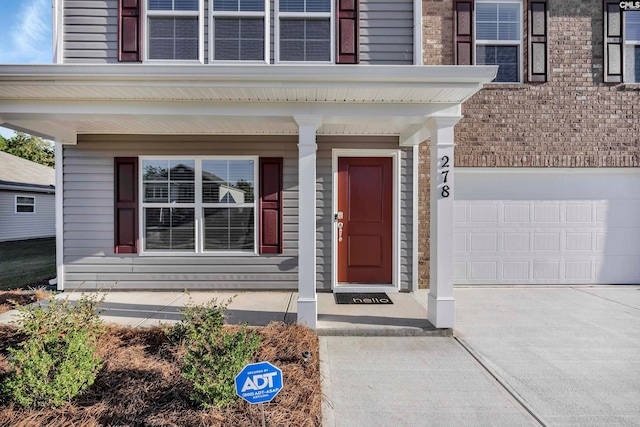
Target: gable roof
<point x="20" y="174"/>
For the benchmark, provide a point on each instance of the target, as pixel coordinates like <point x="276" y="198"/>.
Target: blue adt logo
<point x="259" y="382"/>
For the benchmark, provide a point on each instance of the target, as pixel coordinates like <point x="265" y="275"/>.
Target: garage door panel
<point x="527" y="227"/>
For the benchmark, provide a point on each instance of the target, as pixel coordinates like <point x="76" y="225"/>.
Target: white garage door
<point x="541" y="226"/>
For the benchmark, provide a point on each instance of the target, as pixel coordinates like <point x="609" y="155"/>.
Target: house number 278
<point x="445" y="192"/>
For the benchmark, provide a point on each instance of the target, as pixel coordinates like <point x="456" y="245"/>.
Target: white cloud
<point x="31" y="33"/>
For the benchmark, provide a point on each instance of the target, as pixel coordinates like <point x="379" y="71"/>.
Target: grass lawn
<point x="27" y="263"/>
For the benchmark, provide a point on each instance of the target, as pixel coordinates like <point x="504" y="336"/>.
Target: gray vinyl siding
<point x="386" y="32"/>
<point x="88" y="216"/>
<point x="90" y="31"/>
<point x="89" y="256"/>
<point x="20" y="226"/>
<point x="324" y="208"/>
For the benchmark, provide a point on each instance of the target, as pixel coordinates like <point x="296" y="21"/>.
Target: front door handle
<point x="340" y="225"/>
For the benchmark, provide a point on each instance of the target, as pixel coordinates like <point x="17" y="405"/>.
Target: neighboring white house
<point x="27" y="199"/>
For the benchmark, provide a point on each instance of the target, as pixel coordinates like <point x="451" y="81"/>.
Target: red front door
<point x="365" y="231"/>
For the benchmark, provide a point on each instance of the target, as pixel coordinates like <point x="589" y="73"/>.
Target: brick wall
<point x="573" y="120"/>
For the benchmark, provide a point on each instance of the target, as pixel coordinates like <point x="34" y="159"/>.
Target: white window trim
<point x="628" y="48"/>
<point x="504" y="42"/>
<point x="304" y="15"/>
<point x="198" y="206"/>
<point x="239" y="14"/>
<point x="24" y="204"/>
<point x="170" y="13"/>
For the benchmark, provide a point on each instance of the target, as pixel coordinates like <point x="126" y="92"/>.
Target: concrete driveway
<point x="550" y="356"/>
<point x="571" y="356"/>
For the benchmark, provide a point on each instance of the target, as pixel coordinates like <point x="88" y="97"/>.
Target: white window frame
<point x="25" y="204"/>
<point x="305" y="15"/>
<point x="628" y="52"/>
<point x="239" y="15"/>
<point x="199" y="14"/>
<point x="503" y="42"/>
<point x="199" y="206"/>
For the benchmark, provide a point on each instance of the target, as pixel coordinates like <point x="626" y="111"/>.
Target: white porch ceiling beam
<point x="334" y="112"/>
<point x="53" y="131"/>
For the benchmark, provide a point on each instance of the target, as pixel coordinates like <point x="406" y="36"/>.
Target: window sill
<point x="202" y="254"/>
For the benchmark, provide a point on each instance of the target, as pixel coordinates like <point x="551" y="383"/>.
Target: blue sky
<point x="26" y="34"/>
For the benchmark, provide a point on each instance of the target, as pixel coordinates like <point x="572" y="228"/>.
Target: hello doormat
<point x="361" y="298"/>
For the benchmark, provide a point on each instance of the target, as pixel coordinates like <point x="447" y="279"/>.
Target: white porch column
<point x="59" y="197"/>
<point x="307" y="301"/>
<point x="441" y="305"/>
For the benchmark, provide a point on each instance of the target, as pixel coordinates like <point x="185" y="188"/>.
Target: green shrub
<point x="57" y="360"/>
<point x="214" y="357"/>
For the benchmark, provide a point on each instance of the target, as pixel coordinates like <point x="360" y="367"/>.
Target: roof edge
<point x="478" y="74"/>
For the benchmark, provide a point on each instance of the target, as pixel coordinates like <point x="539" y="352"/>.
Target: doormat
<point x="361" y="298"/>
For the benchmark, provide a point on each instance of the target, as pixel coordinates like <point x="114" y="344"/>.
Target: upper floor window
<point x="25" y="204"/>
<point x="173" y="29"/>
<point x="304" y="30"/>
<point x="498" y="29"/>
<point x="632" y="46"/>
<point x="239" y="30"/>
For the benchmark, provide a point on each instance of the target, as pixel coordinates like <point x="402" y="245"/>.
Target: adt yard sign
<point x="259" y="382"/>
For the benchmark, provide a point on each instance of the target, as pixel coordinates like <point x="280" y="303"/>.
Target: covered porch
<point x="410" y="104"/>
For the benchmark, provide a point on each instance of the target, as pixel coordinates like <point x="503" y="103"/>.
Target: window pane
<point x="173" y="4"/>
<point x="239" y="5"/>
<point x="169" y="228"/>
<point x="25" y="208"/>
<point x="504" y="56"/>
<point x="228" y="181"/>
<point x="632" y="64"/>
<point x="173" y="38"/>
<point x="632" y="25"/>
<point x="239" y="39"/>
<point x="155" y="170"/>
<point x="156" y="192"/>
<point x="26" y="200"/>
<point x="291" y="5"/>
<point x="305" y="5"/>
<point x="229" y="228"/>
<point x="182" y="170"/>
<point x="498" y="21"/>
<point x="305" y="40"/>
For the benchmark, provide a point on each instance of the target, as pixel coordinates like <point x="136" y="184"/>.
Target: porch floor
<point x="407" y="316"/>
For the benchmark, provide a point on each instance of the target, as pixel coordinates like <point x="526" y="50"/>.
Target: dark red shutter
<point x="463" y="32"/>
<point x="129" y="31"/>
<point x="538" y="44"/>
<point x="126" y="205"/>
<point x="348" y="29"/>
<point x="270" y="207"/>
<point x="613" y="42"/>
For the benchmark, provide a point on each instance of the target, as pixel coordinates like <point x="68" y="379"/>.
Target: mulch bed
<point x="140" y="384"/>
<point x="10" y="299"/>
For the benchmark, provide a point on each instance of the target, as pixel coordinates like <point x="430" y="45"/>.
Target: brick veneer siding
<point x="573" y="120"/>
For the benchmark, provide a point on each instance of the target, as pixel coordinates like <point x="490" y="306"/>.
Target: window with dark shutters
<point x="126" y="205"/>
<point x="129" y="31"/>
<point x="538" y="44"/>
<point x="348" y="30"/>
<point x="613" y="42"/>
<point x="270" y="215"/>
<point x="463" y="32"/>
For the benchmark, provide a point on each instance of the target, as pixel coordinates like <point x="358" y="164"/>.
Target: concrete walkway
<point x="554" y="356"/>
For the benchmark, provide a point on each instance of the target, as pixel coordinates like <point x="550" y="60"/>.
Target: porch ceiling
<point x="62" y="101"/>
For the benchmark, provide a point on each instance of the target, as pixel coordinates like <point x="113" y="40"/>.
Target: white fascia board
<point x="287" y="75"/>
<point x="14" y="112"/>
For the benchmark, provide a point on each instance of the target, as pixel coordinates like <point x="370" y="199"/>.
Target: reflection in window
<point x="227" y="219"/>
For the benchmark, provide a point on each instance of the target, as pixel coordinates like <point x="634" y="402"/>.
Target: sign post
<point x="259" y="383"/>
